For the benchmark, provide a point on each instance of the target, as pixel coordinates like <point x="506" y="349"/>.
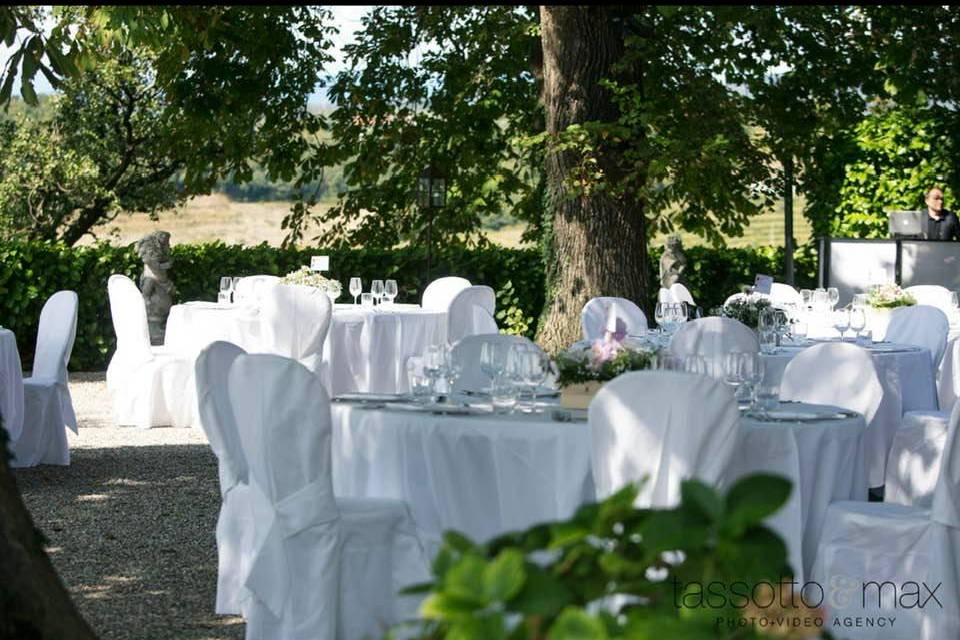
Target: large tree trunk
<point x="34" y="605"/>
<point x="598" y="245"/>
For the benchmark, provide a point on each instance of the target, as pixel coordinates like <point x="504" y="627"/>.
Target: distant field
<point x="216" y="217"/>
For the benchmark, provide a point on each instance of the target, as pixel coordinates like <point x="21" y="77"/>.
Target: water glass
<point x="841" y="321"/>
<point x="226" y="288"/>
<point x="377" y="290"/>
<point x="356" y="288"/>
<point x="390" y="290"/>
<point x="503" y="395"/>
<point x="493" y="357"/>
<point x="434" y="365"/>
<point x="858" y="319"/>
<point x="833" y="295"/>
<point x="768" y="340"/>
<point x="767" y="396"/>
<point x="419" y="384"/>
<point x="366" y="300"/>
<point x="807" y="296"/>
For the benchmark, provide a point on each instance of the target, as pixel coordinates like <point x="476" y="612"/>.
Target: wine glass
<point x="356" y="288"/>
<point x="833" y="295"/>
<point x="226" y="289"/>
<point x="537" y="370"/>
<point x="841" y="321"/>
<point x="390" y="290"/>
<point x="658" y="313"/>
<point x="377" y="290"/>
<point x="733" y="368"/>
<point x="492" y="361"/>
<point x="433" y="366"/>
<point x="807" y="296"/>
<point x="858" y="320"/>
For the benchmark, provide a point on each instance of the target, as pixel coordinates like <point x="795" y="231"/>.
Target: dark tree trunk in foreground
<point x="598" y="245"/>
<point x="34" y="605"/>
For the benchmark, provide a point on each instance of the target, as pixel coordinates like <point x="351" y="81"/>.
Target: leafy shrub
<point x="30" y="272"/>
<point x="545" y="581"/>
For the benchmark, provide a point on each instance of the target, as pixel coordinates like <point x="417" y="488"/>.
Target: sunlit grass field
<point x="216" y="217"/>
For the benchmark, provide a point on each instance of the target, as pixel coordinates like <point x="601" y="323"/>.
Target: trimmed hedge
<point x="31" y="272"/>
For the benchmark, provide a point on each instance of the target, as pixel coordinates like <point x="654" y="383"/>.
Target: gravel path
<point x="130" y="524"/>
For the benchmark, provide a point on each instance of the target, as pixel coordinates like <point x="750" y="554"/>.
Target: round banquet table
<point x="486" y="474"/>
<point x="11" y="385"/>
<point x="907" y="377"/>
<point x="365" y="350"/>
<point x="824" y="458"/>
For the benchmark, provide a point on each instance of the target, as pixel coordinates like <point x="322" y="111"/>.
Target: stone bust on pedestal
<point x="672" y="263"/>
<point x="155" y="284"/>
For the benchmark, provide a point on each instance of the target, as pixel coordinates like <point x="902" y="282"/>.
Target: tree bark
<point x="598" y="245"/>
<point x="33" y="602"/>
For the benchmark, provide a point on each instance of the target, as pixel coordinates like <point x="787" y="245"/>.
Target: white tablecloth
<point x="11" y="385"/>
<point x="824" y="460"/>
<point x="487" y="475"/>
<point x="365" y="349"/>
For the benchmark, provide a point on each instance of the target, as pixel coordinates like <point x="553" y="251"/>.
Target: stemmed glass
<point x="833" y="295"/>
<point x="807" y="296"/>
<point x="226" y="288"/>
<point x="841" y="321"/>
<point x="733" y="370"/>
<point x="390" y="291"/>
<point x="433" y="366"/>
<point x="452" y="368"/>
<point x="356" y="288"/>
<point x="377" y="290"/>
<point x="858" y="320"/>
<point x="492" y="361"/>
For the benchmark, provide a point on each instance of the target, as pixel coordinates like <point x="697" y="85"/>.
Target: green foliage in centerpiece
<point x="601" y="363"/>
<point x="889" y="296"/>
<point x="747" y="310"/>
<point x="540" y="583"/>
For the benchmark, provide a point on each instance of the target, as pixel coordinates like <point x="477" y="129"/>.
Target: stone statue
<point x="155" y="285"/>
<point x="672" y="263"/>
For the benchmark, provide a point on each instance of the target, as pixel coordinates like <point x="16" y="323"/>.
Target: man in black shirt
<point x="939" y="223"/>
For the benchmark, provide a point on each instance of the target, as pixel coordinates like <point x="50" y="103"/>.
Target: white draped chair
<point x="440" y="293"/>
<point x="235" y="523"/>
<point x="664" y="295"/>
<point x="907" y="552"/>
<point x="596" y="314"/>
<point x="921" y="326"/>
<point x="679" y="293"/>
<point x="781" y="293"/>
<point x="149" y="386"/>
<point x="467" y="352"/>
<point x="48" y="408"/>
<point x="471" y="313"/>
<point x="713" y="338"/>
<point x="933" y="295"/>
<point x="948" y="376"/>
<point x="253" y="288"/>
<point x="843" y="375"/>
<point x="666" y="425"/>
<point x="323" y="568"/>
<point x="737" y="297"/>
<point x="294" y="321"/>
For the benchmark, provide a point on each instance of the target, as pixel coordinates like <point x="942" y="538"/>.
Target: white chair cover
<point x="321" y="569"/>
<point x="922" y="326"/>
<point x="933" y="295"/>
<point x="681" y="294"/>
<point x="666" y="425"/>
<point x="948" y="376"/>
<point x="148" y="388"/>
<point x="664" y="295"/>
<point x="916" y="456"/>
<point x="736" y="297"/>
<point x="48" y="407"/>
<point x="253" y="288"/>
<point x="908" y="549"/>
<point x="844" y="375"/>
<point x="471" y="313"/>
<point x="712" y="338"/>
<point x="441" y="292"/>
<point x="467" y="351"/>
<point x="235" y="524"/>
<point x="781" y="293"/>
<point x="294" y="321"/>
<point x="596" y="314"/>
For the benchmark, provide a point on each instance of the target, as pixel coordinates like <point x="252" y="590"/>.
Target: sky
<point x="346" y="18"/>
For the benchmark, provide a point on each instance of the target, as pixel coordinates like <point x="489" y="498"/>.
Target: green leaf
<point x="577" y="624"/>
<point x="543" y="594"/>
<point x="504" y="576"/>
<point x="443" y="606"/>
<point x="29" y="95"/>
<point x="754" y="498"/>
<point x="704" y="500"/>
<point x="465" y="579"/>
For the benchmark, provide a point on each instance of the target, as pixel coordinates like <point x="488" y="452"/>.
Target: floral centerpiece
<point x="582" y="371"/>
<point x="307" y="278"/>
<point x="746" y="309"/>
<point x="889" y="296"/>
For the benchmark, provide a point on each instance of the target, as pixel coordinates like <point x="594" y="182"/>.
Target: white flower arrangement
<point x="889" y="296"/>
<point x="307" y="278"/>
